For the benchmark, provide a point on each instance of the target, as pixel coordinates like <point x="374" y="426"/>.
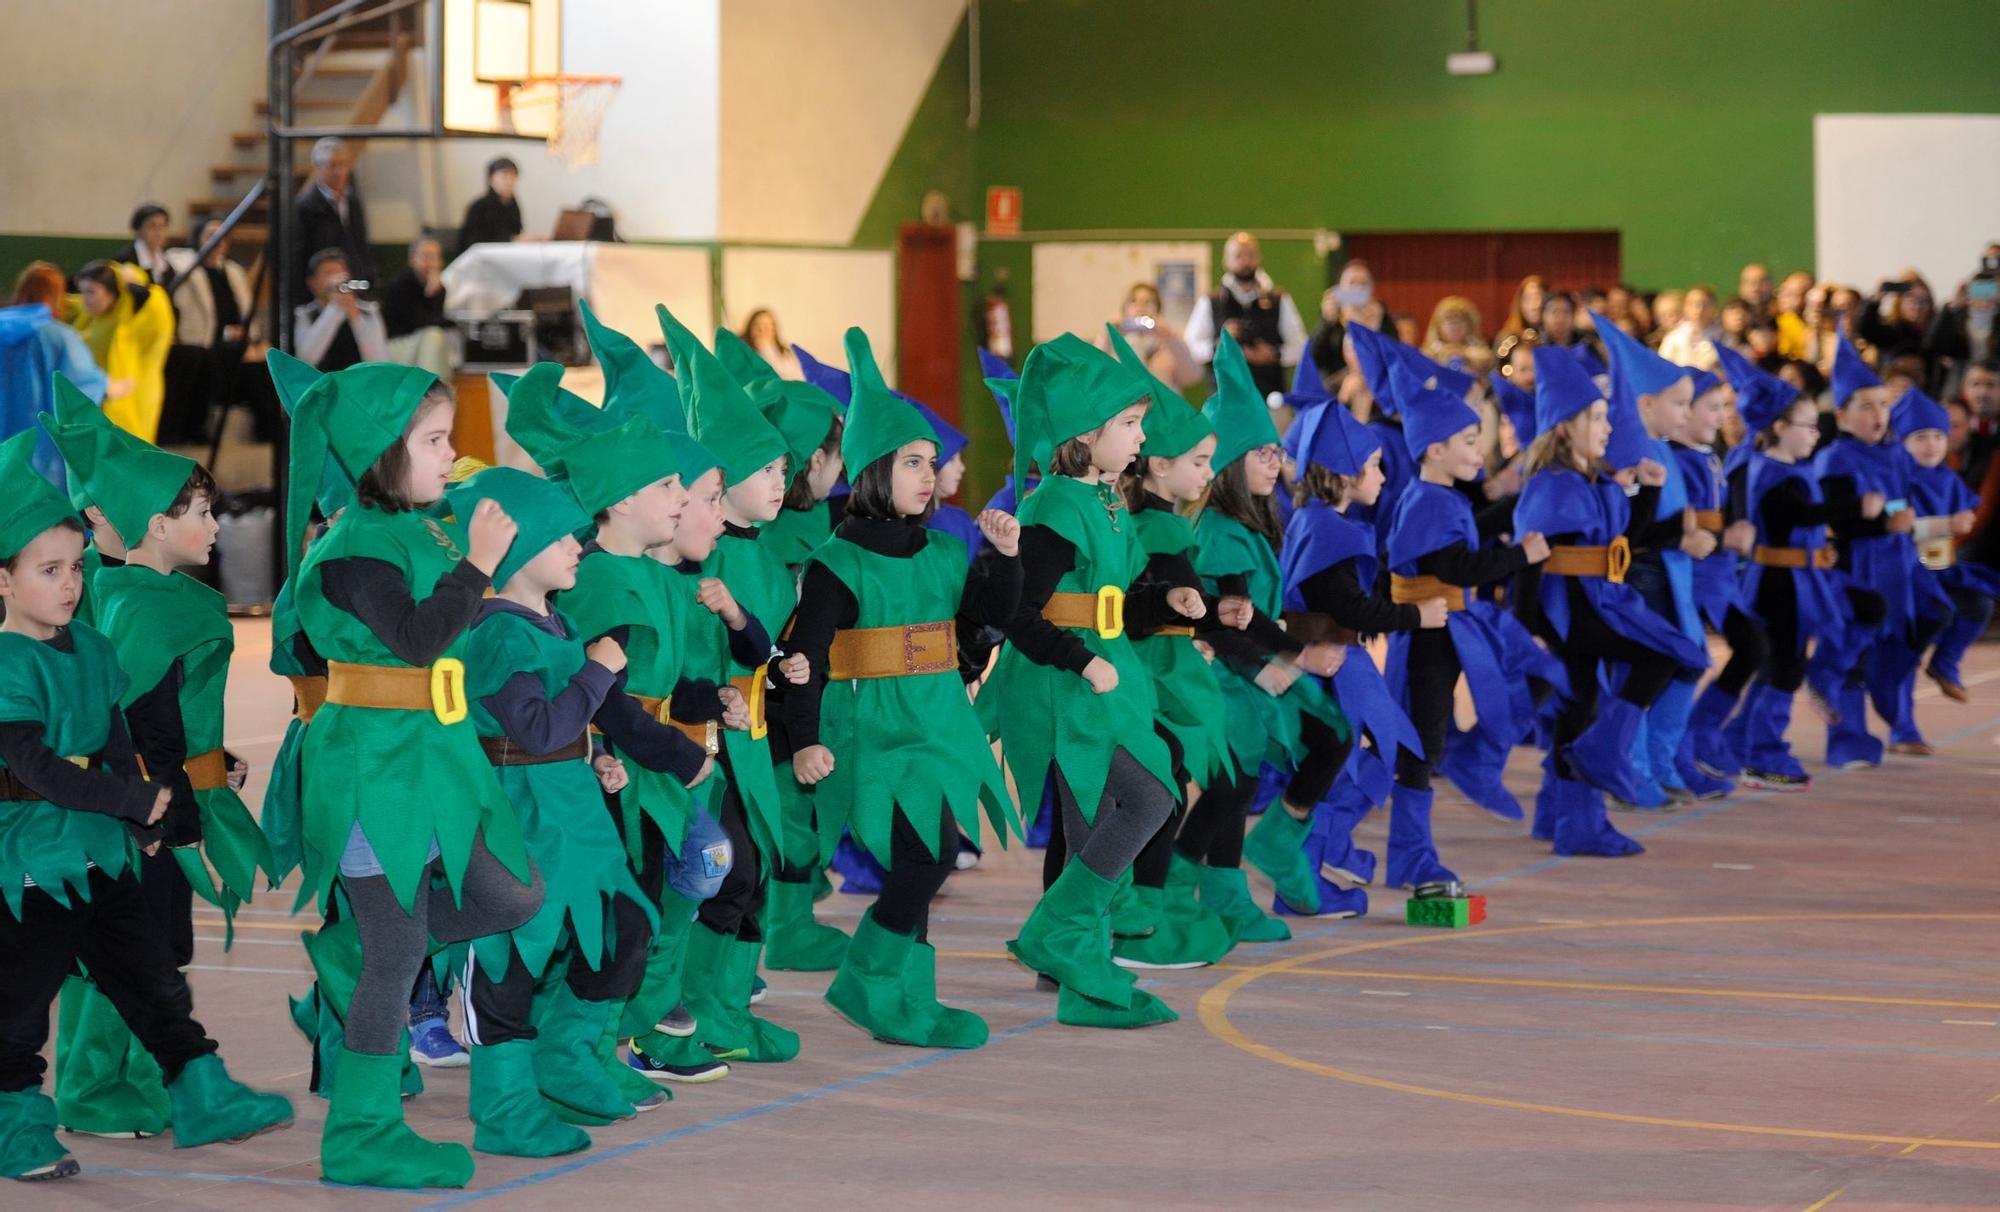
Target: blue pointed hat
<point x="1517" y="405"/>
<point x="951" y="439"/>
<point x="1761" y="397"/>
<point x="1850" y="373"/>
<point x="999" y="377"/>
<point x="830" y="379"/>
<point x="1430" y="414"/>
<point x="1636" y="370"/>
<point x="1374" y="354"/>
<point x="1587" y="358"/>
<point x="1562" y="388"/>
<point x="1916" y="412"/>
<point x="993" y="366"/>
<point x="1431" y="373"/>
<point x="1332" y="438"/>
<point x="837" y="383"/>
<point x="1630" y="441"/>
<point x="1705" y="381"/>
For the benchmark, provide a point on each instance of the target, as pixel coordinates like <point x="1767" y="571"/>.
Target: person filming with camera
<point x="339" y="328"/>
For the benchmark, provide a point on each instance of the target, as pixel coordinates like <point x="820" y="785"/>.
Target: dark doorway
<point x="1413" y="270"/>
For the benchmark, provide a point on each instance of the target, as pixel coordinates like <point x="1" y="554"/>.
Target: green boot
<point x="1133" y="913"/>
<point x="366" y="1143"/>
<point x="868" y="990"/>
<point x="1064" y="938"/>
<point x="1180" y="904"/>
<point x="568" y="1071"/>
<point x="953" y="1028"/>
<point x="1226" y="890"/>
<point x="765" y="1042"/>
<point x="28" y="1146"/>
<point x="793" y="941"/>
<point x="1081" y="1010"/>
<point x="662" y="987"/>
<point x="1172" y="943"/>
<point x="636" y="1087"/>
<point x="209" y="1105"/>
<point x="106" y="1084"/>
<point x="1276" y="846"/>
<point x="508" y="1115"/>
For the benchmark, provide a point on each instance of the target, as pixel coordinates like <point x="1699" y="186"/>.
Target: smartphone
<point x="1983" y="287"/>
<point x="1894" y="507"/>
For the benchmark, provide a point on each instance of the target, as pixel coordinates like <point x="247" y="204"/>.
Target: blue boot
<point x="1547" y="809"/>
<point x="1331" y="843"/>
<point x="1767" y="757"/>
<point x="1666" y="727"/>
<point x="1708" y="735"/>
<point x="1413" y="856"/>
<point x="1699" y="782"/>
<point x="1334" y="901"/>
<point x="860" y="874"/>
<point x="1602" y="754"/>
<point x="1957" y="636"/>
<point x="1473" y="763"/>
<point x="1581" y="825"/>
<point x="1849" y="745"/>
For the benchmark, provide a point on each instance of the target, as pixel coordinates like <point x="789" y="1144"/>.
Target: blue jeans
<point x="705" y="857"/>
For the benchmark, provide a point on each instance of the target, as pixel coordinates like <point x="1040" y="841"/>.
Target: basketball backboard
<point x="487" y="48"/>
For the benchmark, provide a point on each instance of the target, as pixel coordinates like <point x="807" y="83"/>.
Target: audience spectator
<point x="1253" y="309"/>
<point x="1753" y="289"/>
<point x="1350" y="300"/>
<point x="210" y="336"/>
<point x="1453" y="336"/>
<point x="1151" y="337"/>
<point x="1789" y="306"/>
<point x="128" y="326"/>
<point x="1692" y="341"/>
<point x="760" y="332"/>
<point x="413" y="310"/>
<point x="328" y="213"/>
<point x="1525" y="315"/>
<point x="1737" y="316"/>
<point x="1666" y="311"/>
<point x="147" y="248"/>
<point x="1963" y="333"/>
<point x="1640" y="315"/>
<point x="494" y="217"/>
<point x="1897" y="321"/>
<point x="338" y="328"/>
<point x="36" y="341"/>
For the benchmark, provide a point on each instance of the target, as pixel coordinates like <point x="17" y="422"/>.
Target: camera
<point x="354" y="286"/>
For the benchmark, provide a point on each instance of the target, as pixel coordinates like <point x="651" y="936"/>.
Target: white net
<point x="576" y="106"/>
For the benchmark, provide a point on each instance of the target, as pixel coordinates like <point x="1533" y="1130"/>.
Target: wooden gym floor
<point x="1785" y="1004"/>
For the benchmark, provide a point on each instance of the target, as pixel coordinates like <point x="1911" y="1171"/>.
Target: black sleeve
<point x="645" y="740"/>
<point x="1843" y="501"/>
<point x="375" y="592"/>
<point x="1338" y="592"/>
<point x="695" y="700"/>
<point x="158" y="736"/>
<point x="1737" y="492"/>
<point x="118" y="792"/>
<point x="1493" y="519"/>
<point x="1646" y="530"/>
<point x="1788" y="506"/>
<point x="1045" y="557"/>
<point x="992" y="592"/>
<point x="1468" y="567"/>
<point x="540" y="724"/>
<point x="752" y="645"/>
<point x="1235" y="585"/>
<point x="826" y="605"/>
<point x="1146" y="609"/>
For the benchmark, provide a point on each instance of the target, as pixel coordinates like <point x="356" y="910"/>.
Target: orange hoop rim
<point x="555" y="78"/>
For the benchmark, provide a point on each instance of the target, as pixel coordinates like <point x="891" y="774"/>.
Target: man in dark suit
<point x="328" y="214"/>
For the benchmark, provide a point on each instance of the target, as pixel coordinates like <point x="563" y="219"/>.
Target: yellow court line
<point x="1214" y="1005"/>
<point x="1829" y="1199"/>
<point x="1676" y="990"/>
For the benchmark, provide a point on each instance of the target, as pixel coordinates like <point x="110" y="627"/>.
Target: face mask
<point x="1353" y="296"/>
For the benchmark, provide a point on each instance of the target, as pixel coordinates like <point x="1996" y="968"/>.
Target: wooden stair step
<point x="262" y="106"/>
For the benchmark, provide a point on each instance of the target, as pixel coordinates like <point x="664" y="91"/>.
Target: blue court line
<point x="596" y="1157"/>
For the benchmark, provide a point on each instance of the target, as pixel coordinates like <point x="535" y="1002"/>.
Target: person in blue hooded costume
<point x="1434" y="549"/>
<point x="1878" y="560"/>
<point x="1330" y="564"/>
<point x="1954" y="599"/>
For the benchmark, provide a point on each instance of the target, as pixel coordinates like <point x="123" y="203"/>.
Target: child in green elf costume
<point x="172" y="636"/>
<point x="1070" y="701"/>
<point x="75" y="813"/>
<point x="884" y="727"/>
<point x="400" y="804"/>
<point x="1266" y="702"/>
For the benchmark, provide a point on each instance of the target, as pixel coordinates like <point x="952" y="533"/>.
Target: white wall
<point x="1893" y="191"/>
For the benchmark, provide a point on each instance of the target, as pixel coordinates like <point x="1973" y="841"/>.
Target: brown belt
<point x="14" y="790"/>
<point x="1939" y="553"/>
<point x="706" y="733"/>
<point x="1315" y="627"/>
<point x="502" y="751"/>
<point x="1407" y="591"/>
<point x="1820" y="558"/>
<point x="1102" y="612"/>
<point x="1177" y="629"/>
<point x="207" y="771"/>
<point x="439" y="689"/>
<point x="1708" y="519"/>
<point x="308" y="694"/>
<point x="860" y="653"/>
<point x="1610" y="561"/>
<point x="751" y="687"/>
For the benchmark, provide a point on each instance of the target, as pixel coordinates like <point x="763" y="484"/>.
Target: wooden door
<point x="927" y="317"/>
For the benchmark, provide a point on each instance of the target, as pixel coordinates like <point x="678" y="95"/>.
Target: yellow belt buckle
<point x="1110" y="612"/>
<point x="1618" y="560"/>
<point x="759" y="727"/>
<point x="448" y="690"/>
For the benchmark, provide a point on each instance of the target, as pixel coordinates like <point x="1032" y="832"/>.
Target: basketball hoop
<point x="577" y="105"/>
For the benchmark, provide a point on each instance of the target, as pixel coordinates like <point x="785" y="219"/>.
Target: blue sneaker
<point x="431" y="1044"/>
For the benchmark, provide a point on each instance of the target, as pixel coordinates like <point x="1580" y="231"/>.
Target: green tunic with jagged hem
<point x="573" y="841"/>
<point x="1190" y="698"/>
<point x="794" y="534"/>
<point x="1261" y="726"/>
<point x="769" y="593"/>
<point x="71" y="695"/>
<point x="152" y="620"/>
<point x="406" y="777"/>
<point x="912" y="742"/>
<point x="1044" y="716"/>
<point x="641" y="595"/>
<point x="280" y="817"/>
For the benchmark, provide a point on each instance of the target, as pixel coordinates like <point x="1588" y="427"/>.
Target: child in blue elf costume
<point x="1434" y="548"/>
<point x="1878" y="561"/>
<point x="1578" y="602"/>
<point x="1954" y="599"/>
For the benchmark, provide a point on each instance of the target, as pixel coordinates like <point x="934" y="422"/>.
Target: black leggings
<point x="1749" y="651"/>
<point x="1212" y="832"/>
<point x="734" y="908"/>
<point x="1132" y="809"/>
<point x="1326" y="753"/>
<point x="914" y="875"/>
<point x="1156" y="859"/>
<point x="1433" y="681"/>
<point x="500" y="1008"/>
<point x="1590" y="643"/>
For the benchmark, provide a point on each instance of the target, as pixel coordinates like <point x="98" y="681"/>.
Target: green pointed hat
<point x="802" y="412"/>
<point x="31" y="504"/>
<point x="634" y="385"/>
<point x="1068" y="387"/>
<point x="879" y="421"/>
<point x="1237" y="410"/>
<point x="604" y="461"/>
<point x="551" y="423"/>
<point x="720" y="415"/>
<point x="544" y="512"/>
<point x="129" y="479"/>
<point x="353" y="416"/>
<point x="73" y="408"/>
<point x="1170" y="431"/>
<point x="294" y="379"/>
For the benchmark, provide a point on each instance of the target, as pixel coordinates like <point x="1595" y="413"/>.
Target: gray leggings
<point x="393" y="942"/>
<point x="1134" y="806"/>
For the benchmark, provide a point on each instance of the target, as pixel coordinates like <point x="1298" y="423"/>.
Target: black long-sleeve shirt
<point x="533" y="719"/>
<point x="417" y="633"/>
<point x="159" y="736"/>
<point x="117" y="791"/>
<point x="827" y="605"/>
<point x="1337" y="592"/>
